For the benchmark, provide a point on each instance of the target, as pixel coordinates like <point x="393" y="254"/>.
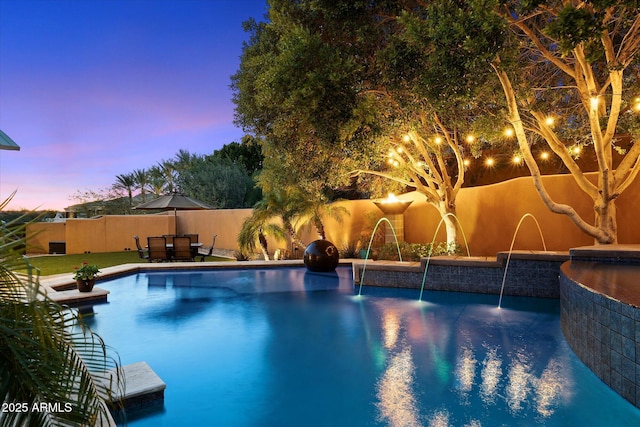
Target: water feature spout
<point x="364" y="267"/>
<point x="433" y="241"/>
<point x="506" y="267"/>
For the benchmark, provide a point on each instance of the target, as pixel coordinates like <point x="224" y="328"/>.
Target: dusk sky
<point x="90" y="89"/>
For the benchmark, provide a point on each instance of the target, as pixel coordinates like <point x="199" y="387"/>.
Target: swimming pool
<point x="286" y="347"/>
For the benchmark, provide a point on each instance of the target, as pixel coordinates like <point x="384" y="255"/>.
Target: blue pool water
<point x="286" y="347"/>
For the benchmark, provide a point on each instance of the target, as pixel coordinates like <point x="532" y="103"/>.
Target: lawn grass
<point x="58" y="264"/>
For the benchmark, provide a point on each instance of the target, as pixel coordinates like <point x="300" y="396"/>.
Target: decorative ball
<point x="321" y="255"/>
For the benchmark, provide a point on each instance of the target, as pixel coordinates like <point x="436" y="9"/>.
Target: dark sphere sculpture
<point x="321" y="255"/>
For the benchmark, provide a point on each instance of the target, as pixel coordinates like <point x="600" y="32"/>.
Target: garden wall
<point x="489" y="216"/>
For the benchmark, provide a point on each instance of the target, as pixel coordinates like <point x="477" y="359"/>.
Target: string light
<point x="438" y="140"/>
<point x="399" y="149"/>
<point x="594" y="101"/>
<point x="637" y="104"/>
<point x="576" y="150"/>
<point x="406" y="138"/>
<point x="470" y="138"/>
<point x="549" y="121"/>
<point x="489" y="162"/>
<point x="544" y="155"/>
<point x="516" y="160"/>
<point x="466" y="162"/>
<point x="508" y="132"/>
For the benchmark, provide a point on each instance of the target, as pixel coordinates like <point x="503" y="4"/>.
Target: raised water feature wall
<point x="530" y="273"/>
<point x="600" y="314"/>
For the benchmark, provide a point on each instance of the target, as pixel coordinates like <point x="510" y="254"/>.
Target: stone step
<point x="142" y="386"/>
<point x="75" y="297"/>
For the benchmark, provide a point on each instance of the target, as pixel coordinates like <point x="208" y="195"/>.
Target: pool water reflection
<point x="288" y="347"/>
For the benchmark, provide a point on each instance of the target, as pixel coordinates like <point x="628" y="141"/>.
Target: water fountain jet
<point x="364" y="267"/>
<point x="426" y="267"/>
<point x="506" y="267"/>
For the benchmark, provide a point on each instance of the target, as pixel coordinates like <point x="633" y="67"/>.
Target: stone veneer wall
<point x="604" y="333"/>
<point x="533" y="274"/>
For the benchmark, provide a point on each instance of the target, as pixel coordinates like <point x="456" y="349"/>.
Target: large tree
<point x="574" y="86"/>
<point x="337" y="86"/>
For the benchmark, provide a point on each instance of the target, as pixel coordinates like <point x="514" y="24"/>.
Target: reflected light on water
<point x="396" y="399"/>
<point x="518" y="382"/>
<point x="549" y="387"/>
<point x="391" y="327"/>
<point x="491" y="374"/>
<point x="466" y="371"/>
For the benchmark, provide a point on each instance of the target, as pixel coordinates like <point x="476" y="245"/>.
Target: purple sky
<point x="91" y="89"/>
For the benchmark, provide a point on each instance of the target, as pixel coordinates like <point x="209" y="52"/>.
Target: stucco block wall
<point x="488" y="216"/>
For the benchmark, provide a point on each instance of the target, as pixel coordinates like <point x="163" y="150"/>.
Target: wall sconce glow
<point x="489" y="162"/>
<point x="516" y="160"/>
<point x="508" y="132"/>
<point x="549" y="121"/>
<point x="470" y="138"/>
<point x="594" y="101"/>
<point x="544" y="155"/>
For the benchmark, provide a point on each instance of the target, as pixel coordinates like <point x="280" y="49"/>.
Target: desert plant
<point x="49" y="360"/>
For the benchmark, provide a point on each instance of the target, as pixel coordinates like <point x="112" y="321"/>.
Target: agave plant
<point x="51" y="364"/>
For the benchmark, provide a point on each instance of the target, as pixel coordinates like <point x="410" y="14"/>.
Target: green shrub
<point x="415" y="251"/>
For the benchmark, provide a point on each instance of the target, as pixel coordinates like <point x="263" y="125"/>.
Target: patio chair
<point x="193" y="237"/>
<point x="204" y="252"/>
<point x="182" y="249"/>
<point x="142" y="253"/>
<point x="157" y="249"/>
<point x="169" y="238"/>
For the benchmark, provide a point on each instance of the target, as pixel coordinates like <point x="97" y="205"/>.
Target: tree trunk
<point x="263" y="246"/>
<point x="450" y="220"/>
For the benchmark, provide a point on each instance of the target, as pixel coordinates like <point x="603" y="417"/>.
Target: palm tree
<point x="315" y="210"/>
<point x="141" y="179"/>
<point x="126" y="182"/>
<point x="47" y="355"/>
